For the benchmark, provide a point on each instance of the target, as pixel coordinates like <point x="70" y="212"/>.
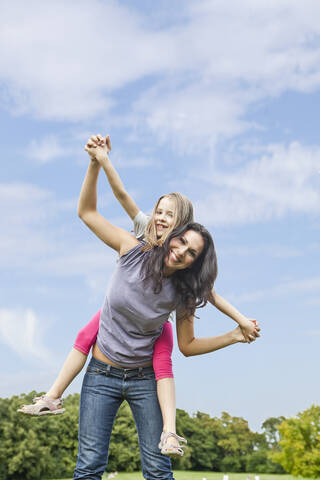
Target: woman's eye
<point x="170" y="215"/>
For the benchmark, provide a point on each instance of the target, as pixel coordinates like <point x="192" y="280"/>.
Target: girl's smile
<point x="164" y="216"/>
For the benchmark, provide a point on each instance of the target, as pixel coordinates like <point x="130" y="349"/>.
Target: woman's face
<point x="183" y="251"/>
<point x="164" y="215"/>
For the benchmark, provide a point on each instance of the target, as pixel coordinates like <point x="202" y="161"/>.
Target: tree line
<point x="46" y="447"/>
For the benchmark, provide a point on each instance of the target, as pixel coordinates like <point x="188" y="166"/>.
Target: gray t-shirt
<point x="140" y="223"/>
<point x="133" y="315"/>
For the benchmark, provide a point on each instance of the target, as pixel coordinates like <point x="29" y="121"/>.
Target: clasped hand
<point x="98" y="148"/>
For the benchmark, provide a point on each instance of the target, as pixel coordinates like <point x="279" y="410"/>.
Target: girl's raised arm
<point x="189" y="345"/>
<point x="115" y="237"/>
<point x="248" y="326"/>
<point x="118" y="188"/>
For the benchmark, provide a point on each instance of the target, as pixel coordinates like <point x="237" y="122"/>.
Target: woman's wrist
<point x="236" y="336"/>
<point x="94" y="164"/>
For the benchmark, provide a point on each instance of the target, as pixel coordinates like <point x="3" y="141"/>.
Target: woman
<point x="147" y="285"/>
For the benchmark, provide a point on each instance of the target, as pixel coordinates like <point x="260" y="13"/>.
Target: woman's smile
<point x="183" y="251"/>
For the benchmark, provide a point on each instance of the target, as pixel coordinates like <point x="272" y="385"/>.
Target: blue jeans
<point x="103" y="390"/>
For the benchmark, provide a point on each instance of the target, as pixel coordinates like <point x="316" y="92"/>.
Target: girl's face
<point x="164" y="215"/>
<point x="183" y="251"/>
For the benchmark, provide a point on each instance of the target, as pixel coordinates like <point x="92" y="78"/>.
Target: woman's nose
<point x="182" y="250"/>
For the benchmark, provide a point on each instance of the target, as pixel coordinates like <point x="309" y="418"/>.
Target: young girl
<point x="170" y="211"/>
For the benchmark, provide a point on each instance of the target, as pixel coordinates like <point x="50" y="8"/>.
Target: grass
<point x="180" y="475"/>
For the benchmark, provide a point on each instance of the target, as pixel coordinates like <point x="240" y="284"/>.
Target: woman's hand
<point x="249" y="328"/>
<point x="98" y="148"/>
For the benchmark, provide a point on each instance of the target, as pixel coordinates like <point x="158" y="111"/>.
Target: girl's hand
<point x="249" y="328"/>
<point x="240" y="337"/>
<point x="98" y="148"/>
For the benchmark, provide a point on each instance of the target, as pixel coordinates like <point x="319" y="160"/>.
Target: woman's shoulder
<point x="133" y="255"/>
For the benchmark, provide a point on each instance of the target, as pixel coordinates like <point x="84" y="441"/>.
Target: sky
<point x="218" y="100"/>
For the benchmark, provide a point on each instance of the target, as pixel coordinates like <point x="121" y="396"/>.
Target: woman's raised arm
<point x="115" y="237"/>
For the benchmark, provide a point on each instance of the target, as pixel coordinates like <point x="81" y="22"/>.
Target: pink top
<point x="162" y="363"/>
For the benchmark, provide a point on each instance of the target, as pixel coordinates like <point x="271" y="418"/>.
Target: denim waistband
<point x="120" y="372"/>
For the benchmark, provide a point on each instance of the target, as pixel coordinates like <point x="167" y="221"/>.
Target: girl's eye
<point x="182" y="240"/>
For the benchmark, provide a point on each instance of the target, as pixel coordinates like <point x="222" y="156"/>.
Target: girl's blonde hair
<point x="182" y="215"/>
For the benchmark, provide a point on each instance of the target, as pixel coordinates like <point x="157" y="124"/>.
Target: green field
<point x="179" y="475"/>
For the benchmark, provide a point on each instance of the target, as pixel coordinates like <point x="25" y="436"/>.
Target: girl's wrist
<point x="105" y="162"/>
<point x="241" y="320"/>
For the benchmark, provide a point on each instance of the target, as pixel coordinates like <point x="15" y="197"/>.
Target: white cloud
<point x="284" y="180"/>
<point x="40" y="235"/>
<point x="47" y="149"/>
<point x="122" y="160"/>
<point x="61" y="60"/>
<point x="22" y="331"/>
<point x="199" y="72"/>
<point x="270" y="250"/>
<point x="312" y="333"/>
<point x="292" y="287"/>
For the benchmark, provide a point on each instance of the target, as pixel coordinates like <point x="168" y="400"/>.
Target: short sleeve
<point x="140" y="222"/>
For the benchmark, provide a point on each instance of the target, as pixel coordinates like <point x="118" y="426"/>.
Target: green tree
<point x="271" y="432"/>
<point x="203" y="434"/>
<point x="237" y="442"/>
<point x="300" y="443"/>
<point x="23" y="455"/>
<point x="124" y="448"/>
<point x="265" y="444"/>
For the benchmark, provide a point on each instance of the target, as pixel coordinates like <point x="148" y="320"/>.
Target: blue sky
<point x="218" y="100"/>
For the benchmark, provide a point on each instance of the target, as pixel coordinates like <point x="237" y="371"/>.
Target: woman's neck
<point x="167" y="271"/>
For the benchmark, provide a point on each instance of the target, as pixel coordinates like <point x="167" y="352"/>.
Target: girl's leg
<point x="76" y="358"/>
<point x="167" y="400"/>
<point x="51" y="402"/>
<point x="162" y="365"/>
<point x="141" y="394"/>
<point x="170" y="443"/>
<point x="72" y="366"/>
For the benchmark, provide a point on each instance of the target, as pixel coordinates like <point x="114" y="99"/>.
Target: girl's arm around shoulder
<point x="189" y="345"/>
